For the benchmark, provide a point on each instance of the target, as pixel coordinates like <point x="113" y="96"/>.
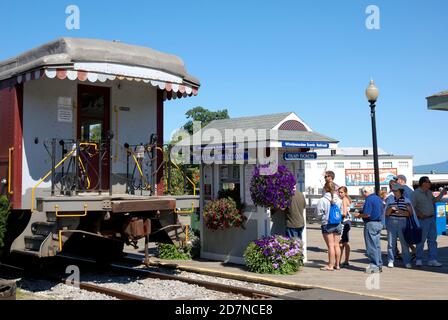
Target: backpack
<point x="335" y="215"/>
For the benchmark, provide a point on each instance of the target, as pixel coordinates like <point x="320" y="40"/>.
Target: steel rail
<point x="121" y="295"/>
<point x="256" y="294"/>
<point x="130" y="269"/>
<point x="144" y="273"/>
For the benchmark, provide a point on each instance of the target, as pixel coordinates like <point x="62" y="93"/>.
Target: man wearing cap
<point x="408" y="192"/>
<point x="398" y="210"/>
<point x="423" y="201"/>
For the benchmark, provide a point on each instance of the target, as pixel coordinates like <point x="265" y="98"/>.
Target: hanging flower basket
<point x="274" y="254"/>
<point x="223" y="214"/>
<point x="272" y="191"/>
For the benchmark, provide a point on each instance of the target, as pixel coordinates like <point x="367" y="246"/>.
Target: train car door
<point x="93" y="125"/>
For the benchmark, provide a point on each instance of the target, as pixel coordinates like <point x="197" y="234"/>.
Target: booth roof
<point x="438" y="101"/>
<point x="264" y="122"/>
<point x="67" y="51"/>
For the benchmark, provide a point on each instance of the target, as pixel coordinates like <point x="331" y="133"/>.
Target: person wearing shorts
<point x="330" y="232"/>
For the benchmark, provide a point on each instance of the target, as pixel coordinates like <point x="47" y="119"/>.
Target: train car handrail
<point x="56" y="211"/>
<point x="10" y="151"/>
<point x="33" y="190"/>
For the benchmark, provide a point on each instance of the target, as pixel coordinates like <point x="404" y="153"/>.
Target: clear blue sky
<point x="257" y="57"/>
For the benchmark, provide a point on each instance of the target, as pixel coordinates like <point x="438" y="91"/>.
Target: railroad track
<point x="121" y="295"/>
<point x="17" y="273"/>
<point x="130" y="268"/>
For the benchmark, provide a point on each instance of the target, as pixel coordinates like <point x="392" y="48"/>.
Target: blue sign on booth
<point x="294" y="156"/>
<point x="440" y="217"/>
<point x="304" y="144"/>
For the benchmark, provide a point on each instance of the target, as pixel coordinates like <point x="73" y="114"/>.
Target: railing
<point x="10" y="151"/>
<point x="76" y="171"/>
<point x="76" y="174"/>
<point x="138" y="155"/>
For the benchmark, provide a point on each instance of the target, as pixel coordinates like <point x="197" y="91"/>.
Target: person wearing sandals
<point x="346" y="222"/>
<point x="330" y="232"/>
<point x="398" y="210"/>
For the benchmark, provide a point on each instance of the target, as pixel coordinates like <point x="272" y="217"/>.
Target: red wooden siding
<point x="11" y="108"/>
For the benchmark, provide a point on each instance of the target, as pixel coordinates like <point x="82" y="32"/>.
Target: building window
<point x="369" y="165"/>
<point x="387" y="164"/>
<point x="321" y="165"/>
<point x="403" y="164"/>
<point x="339" y="165"/>
<point x="355" y="165"/>
<point x="307" y="165"/>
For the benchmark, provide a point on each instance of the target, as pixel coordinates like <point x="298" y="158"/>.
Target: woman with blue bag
<point x="400" y="213"/>
<point x="329" y="208"/>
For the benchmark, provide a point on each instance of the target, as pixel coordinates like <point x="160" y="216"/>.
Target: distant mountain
<point x="428" y="168"/>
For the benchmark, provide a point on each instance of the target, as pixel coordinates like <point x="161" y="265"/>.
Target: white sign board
<point x="65" y="109"/>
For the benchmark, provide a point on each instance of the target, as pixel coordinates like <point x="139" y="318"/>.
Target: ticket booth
<point x="283" y="139"/>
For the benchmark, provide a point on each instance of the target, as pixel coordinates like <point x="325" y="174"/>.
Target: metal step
<point x="27" y="252"/>
<point x="34" y="242"/>
<point x="42" y="228"/>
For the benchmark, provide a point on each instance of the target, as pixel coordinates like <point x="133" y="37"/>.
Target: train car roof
<point x="67" y="51"/>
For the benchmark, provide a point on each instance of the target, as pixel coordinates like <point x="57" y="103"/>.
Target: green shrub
<point x="4" y="213"/>
<point x="275" y="255"/>
<point x="173" y="252"/>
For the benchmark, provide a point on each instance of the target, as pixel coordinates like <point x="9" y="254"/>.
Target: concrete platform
<point x="397" y="283"/>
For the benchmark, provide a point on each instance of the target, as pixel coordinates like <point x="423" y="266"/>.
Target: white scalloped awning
<point x="171" y="90"/>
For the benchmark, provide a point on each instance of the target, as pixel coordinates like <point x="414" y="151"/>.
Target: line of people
<point x="394" y="211"/>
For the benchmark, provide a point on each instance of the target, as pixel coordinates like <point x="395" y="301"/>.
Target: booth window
<point x="229" y="183"/>
<point x="229" y="176"/>
<point x="369" y="164"/>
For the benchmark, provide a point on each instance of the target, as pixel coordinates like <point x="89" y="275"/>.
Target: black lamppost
<point x="372" y="95"/>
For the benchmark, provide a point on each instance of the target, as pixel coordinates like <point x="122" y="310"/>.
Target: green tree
<point x="203" y="115"/>
<point x="4" y="213"/>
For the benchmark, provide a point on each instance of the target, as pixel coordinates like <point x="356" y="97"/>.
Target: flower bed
<point x="272" y="191"/>
<point x="275" y="255"/>
<point x="223" y="214"/>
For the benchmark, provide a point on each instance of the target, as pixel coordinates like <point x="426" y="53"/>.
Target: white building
<point x="353" y="168"/>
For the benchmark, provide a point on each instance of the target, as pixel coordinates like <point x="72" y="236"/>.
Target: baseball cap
<point x="402" y="177"/>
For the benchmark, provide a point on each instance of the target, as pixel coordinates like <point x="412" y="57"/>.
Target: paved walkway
<point x="396" y="283"/>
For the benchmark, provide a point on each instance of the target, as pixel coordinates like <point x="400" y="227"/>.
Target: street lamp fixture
<point x="372" y="94"/>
